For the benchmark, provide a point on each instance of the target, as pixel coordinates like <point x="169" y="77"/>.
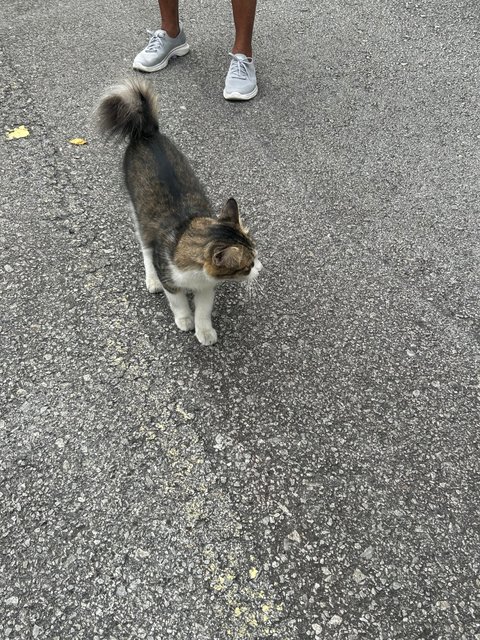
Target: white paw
<point x="153" y="284"/>
<point x="186" y="323"/>
<point x="206" y="336"/>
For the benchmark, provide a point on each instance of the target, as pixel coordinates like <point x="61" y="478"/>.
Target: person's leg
<point x="243" y="17"/>
<point x="241" y="80"/>
<point x="164" y="43"/>
<point x="169" y="16"/>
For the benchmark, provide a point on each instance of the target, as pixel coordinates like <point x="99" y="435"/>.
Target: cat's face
<point x="232" y="254"/>
<point x="233" y="263"/>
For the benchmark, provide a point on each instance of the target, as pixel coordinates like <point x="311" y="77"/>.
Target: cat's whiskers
<point x="254" y="288"/>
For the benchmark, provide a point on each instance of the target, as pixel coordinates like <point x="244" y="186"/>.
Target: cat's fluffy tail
<point x="129" y="110"/>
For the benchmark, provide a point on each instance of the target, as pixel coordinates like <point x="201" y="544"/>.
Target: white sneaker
<point x="160" y="49"/>
<point x="241" y="80"/>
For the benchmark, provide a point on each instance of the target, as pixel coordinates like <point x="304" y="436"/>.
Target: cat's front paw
<point x="186" y="323"/>
<point x="153" y="284"/>
<point x="206" y="336"/>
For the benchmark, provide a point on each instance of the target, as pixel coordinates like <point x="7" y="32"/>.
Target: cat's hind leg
<point x="151" y="278"/>
<point x="152" y="281"/>
<point x="181" y="310"/>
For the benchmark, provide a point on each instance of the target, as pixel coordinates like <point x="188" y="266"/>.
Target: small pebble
<point x="294" y="536"/>
<point x="358" y="576"/>
<point x="335" y="621"/>
<point x="368" y="553"/>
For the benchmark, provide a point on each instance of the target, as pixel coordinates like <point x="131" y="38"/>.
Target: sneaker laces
<point x="156" y="40"/>
<point x="238" y="67"/>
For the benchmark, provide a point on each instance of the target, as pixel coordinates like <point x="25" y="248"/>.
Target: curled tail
<point x="129" y="110"/>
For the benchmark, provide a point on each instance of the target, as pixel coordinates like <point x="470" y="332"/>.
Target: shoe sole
<point x="181" y="50"/>
<point x="235" y="96"/>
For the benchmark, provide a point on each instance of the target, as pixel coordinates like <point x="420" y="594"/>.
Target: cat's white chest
<point x="193" y="279"/>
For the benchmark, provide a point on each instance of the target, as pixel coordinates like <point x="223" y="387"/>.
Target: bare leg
<point x="243" y="17"/>
<point x="169" y="15"/>
<point x="204" y="331"/>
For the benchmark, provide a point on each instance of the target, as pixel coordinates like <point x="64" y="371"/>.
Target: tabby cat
<point x="185" y="246"/>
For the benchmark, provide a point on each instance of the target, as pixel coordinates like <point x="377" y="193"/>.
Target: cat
<point x="185" y="247"/>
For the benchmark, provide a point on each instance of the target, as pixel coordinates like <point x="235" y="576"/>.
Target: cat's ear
<point x="228" y="258"/>
<point x="230" y="212"/>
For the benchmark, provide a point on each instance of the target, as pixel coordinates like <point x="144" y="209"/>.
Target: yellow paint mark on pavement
<point x="18" y="132"/>
<point x="253" y="573"/>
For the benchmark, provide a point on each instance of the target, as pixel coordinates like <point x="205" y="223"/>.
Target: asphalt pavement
<point x="315" y="474"/>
